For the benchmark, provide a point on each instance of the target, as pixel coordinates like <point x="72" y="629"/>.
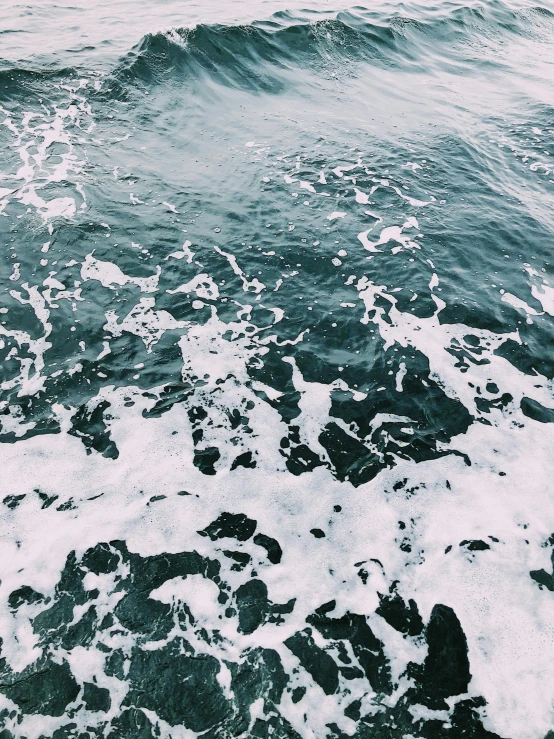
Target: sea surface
<point x="277" y="360"/>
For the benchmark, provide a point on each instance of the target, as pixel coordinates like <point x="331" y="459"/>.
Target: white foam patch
<point x="143" y="321"/>
<point x="199" y="594"/>
<point x="202" y="285"/>
<point x="412" y="201"/>
<point x="503" y="632"/>
<point x="391" y="233"/>
<point x="254" y="285"/>
<point x="185" y="253"/>
<point x="109" y="274"/>
<point x="366" y="243"/>
<point x="34" y="135"/>
<point x="30" y="380"/>
<point x="361" y="197"/>
<point x="545" y="295"/>
<point x="516" y="302"/>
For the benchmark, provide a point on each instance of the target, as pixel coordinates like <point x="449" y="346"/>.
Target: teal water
<point x="276" y="380"/>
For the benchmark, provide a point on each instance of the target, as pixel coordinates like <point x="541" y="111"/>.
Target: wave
<point x="258" y="56"/>
<point x="263" y="56"/>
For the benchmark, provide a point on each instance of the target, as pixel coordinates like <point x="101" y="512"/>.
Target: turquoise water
<point x="276" y="382"/>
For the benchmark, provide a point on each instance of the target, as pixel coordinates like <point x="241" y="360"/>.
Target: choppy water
<point x="277" y="358"/>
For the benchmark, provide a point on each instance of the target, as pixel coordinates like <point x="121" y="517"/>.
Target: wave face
<point x="266" y="57"/>
<point x="276" y="390"/>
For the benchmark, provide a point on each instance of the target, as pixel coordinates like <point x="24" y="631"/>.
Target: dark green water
<point x="276" y="381"/>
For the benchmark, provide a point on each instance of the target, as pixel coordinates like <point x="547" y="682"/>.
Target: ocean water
<point x="277" y="362"/>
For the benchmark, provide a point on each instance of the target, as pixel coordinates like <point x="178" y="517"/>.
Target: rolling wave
<point x="260" y="56"/>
